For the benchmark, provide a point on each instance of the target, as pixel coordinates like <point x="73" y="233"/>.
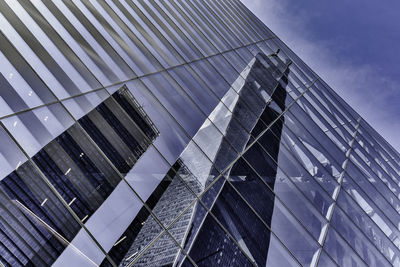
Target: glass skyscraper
<point x="180" y="133"/>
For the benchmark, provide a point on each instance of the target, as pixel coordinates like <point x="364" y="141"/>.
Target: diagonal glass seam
<point x="231" y="46"/>
<point x="176" y="121"/>
<point x="154" y="30"/>
<point x="235" y="18"/>
<point x="250" y="17"/>
<point x="256" y="139"/>
<point x="200" y="19"/>
<point x="112" y="166"/>
<point x="192" y="69"/>
<point x="352" y="197"/>
<point x="57" y="194"/>
<point x="144" y="204"/>
<point x="208" y="211"/>
<point x="54" y="190"/>
<point x="330" y="90"/>
<point x="136" y="257"/>
<point x="276" y="196"/>
<point x="390" y="221"/>
<point x="345" y="192"/>
<point x="335" y="96"/>
<point x="378" y="155"/>
<point x="243" y="34"/>
<point x="40" y="19"/>
<point x="357" y="167"/>
<point x="324" y="231"/>
<point x="260" y="218"/>
<point x="147" y="6"/>
<point x="168" y="14"/>
<point x="121" y="82"/>
<point x="61" y="238"/>
<point x="223" y="25"/>
<point x="248" y="147"/>
<point x="375" y="173"/>
<point x="251" y="144"/>
<point x="240" y="15"/>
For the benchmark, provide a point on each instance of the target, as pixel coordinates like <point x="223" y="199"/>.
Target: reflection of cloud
<point x="364" y="87"/>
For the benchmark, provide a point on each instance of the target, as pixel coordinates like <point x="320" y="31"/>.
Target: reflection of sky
<point x="351" y="45"/>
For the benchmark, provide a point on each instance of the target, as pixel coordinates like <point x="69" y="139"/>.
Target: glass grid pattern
<point x="152" y="133"/>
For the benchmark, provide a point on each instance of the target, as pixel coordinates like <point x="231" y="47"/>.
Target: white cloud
<point x="362" y="86"/>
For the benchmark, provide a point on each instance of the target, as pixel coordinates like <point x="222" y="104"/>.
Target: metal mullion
<point x="78" y="38"/>
<point x="205" y="29"/>
<point x="371" y="145"/>
<point x="379" y="160"/>
<point x="144" y="204"/>
<point x="122" y="179"/>
<point x="186" y="49"/>
<point x="250" y="17"/>
<point x="44" y="178"/>
<point x="294" y="61"/>
<point x="302" y="166"/>
<point x="349" y="176"/>
<point x="59" y="100"/>
<point x="109" y="29"/>
<point x="182" y="180"/>
<point x="151" y="245"/>
<point x="44" y="57"/>
<point x="376" y="174"/>
<point x="228" y="63"/>
<point x="153" y="5"/>
<point x="327" y="113"/>
<point x="166" y="231"/>
<point x="55" y="190"/>
<point x="214" y="23"/>
<point x="190" y="24"/>
<point x="341" y="138"/>
<point x="197" y="197"/>
<point x="227" y="5"/>
<point x="250" y="110"/>
<point x="17" y="234"/>
<point x="57" y="194"/>
<point x="156" y="32"/>
<point x="227" y="21"/>
<point x="334" y="105"/>
<point x="57" y="40"/>
<point x="329" y="90"/>
<point x="314" y="158"/>
<point x="379" y="229"/>
<point x="282" y="203"/>
<point x="330" y="128"/>
<point x="188" y="28"/>
<point x="325" y="235"/>
<point x="230" y="165"/>
<point x="232" y="18"/>
<point x="331" y="107"/>
<point x="208" y="210"/>
<point x="244" y="78"/>
<point x="235" y="19"/>
<point x="36" y="188"/>
<point x="98" y="36"/>
<point x="131" y="35"/>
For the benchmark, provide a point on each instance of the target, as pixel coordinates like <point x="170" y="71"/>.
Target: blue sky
<point x="352" y="45"/>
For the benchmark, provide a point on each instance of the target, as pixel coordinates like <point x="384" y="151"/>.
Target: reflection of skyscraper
<point x="180" y="133"/>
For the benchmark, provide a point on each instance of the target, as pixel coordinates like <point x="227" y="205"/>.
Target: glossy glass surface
<point x="180" y="133"/>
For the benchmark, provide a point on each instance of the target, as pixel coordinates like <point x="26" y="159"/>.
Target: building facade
<point x="180" y="133"/>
